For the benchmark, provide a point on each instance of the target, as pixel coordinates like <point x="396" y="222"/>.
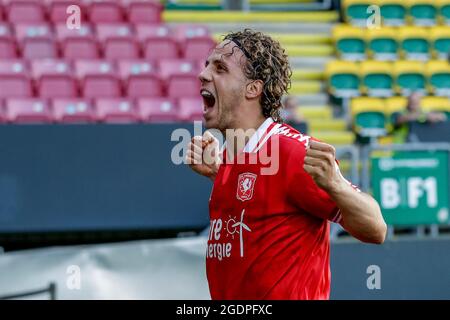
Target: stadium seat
<point x="190" y="109"/>
<point x="394" y="106"/>
<point x="355" y="11"/>
<point x="2" y="108"/>
<point x="77" y="43"/>
<point x="157" y="110"/>
<point x="423" y="12"/>
<point x="37" y="41"/>
<point x="105" y="11"/>
<point x="410" y="76"/>
<point x="438" y="74"/>
<point x="118" y="41"/>
<point x="28" y="110"/>
<point x="111" y="110"/>
<point x="54" y="79"/>
<point x="377" y="78"/>
<point x="149" y="31"/>
<point x="57" y="10"/>
<point x="382" y="43"/>
<point x="143" y="12"/>
<point x="436" y="104"/>
<point x="414" y="43"/>
<point x="140" y="79"/>
<point x="170" y="67"/>
<point x="369" y="116"/>
<point x="393" y="12"/>
<point x="190" y="31"/>
<point x="8" y="49"/>
<point x="98" y="79"/>
<point x="73" y="111"/>
<point x="160" y="47"/>
<point x="181" y="77"/>
<point x="14" y="79"/>
<point x="343" y="78"/>
<point x="25" y="11"/>
<point x="349" y="42"/>
<point x="440" y="39"/>
<point x="444" y="12"/>
<point x="197" y="48"/>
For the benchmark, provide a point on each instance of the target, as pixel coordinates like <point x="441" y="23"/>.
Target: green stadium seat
<point x="438" y="73"/>
<point x="343" y="79"/>
<point x="440" y="39"/>
<point x="423" y="12"/>
<point x="393" y="12"/>
<point x="349" y="42"/>
<point x="377" y="78"/>
<point x="369" y="116"/>
<point x="414" y="43"/>
<point x="382" y="43"/>
<point x="410" y="77"/>
<point x="355" y="11"/>
<point x="444" y="11"/>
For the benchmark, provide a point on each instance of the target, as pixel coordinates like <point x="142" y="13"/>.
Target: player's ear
<point x="254" y="89"/>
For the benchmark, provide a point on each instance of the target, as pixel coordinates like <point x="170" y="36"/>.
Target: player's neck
<point x="243" y="126"/>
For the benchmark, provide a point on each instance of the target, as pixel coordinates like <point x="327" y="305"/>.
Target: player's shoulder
<point x="290" y="139"/>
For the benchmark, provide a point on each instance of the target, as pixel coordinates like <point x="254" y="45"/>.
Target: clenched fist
<point x="320" y="164"/>
<point x="203" y="155"/>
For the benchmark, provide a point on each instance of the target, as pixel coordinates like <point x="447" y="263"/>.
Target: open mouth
<point x="208" y="99"/>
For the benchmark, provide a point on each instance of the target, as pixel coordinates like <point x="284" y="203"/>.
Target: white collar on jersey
<point x="255" y="138"/>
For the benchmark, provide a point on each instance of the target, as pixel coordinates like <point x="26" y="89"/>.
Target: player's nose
<point x="205" y="75"/>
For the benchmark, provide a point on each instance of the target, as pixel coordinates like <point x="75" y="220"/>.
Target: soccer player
<point x="274" y="195"/>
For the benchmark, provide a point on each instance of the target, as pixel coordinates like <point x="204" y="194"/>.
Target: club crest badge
<point x="246" y="184"/>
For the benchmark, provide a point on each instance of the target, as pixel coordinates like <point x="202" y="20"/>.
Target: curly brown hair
<point x="266" y="61"/>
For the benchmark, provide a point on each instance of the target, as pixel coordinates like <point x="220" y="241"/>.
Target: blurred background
<point x="92" y="205"/>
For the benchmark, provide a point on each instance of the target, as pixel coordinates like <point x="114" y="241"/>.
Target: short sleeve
<point x="303" y="192"/>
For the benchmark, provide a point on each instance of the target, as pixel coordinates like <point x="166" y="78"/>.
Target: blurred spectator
<point x="413" y="113"/>
<point x="290" y="112"/>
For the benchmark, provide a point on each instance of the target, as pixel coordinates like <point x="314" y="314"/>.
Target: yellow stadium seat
<point x="355" y="11"/>
<point x="414" y="43"/>
<point x="423" y="12"/>
<point x="393" y="12"/>
<point x="369" y="117"/>
<point x="343" y="78"/>
<point x="349" y="42"/>
<point x="438" y="74"/>
<point x="441" y="104"/>
<point x="395" y="104"/>
<point x="376" y="78"/>
<point x="410" y="77"/>
<point x="382" y="43"/>
<point x="444" y="11"/>
<point x="440" y="41"/>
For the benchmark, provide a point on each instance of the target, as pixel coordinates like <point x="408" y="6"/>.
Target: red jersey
<point x="269" y="222"/>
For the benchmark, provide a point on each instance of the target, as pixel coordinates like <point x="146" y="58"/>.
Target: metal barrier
<point x="51" y="289"/>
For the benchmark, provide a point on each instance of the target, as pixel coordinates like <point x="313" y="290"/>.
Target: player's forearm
<point x="361" y="214"/>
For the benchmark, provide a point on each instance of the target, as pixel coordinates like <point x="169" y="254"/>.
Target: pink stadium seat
<point x="106" y="11"/>
<point x="140" y="78"/>
<point x="77" y="43"/>
<point x="170" y="67"/>
<point x="157" y="110"/>
<point x="190" y="31"/>
<point x="73" y="111"/>
<point x="191" y="109"/>
<point x="198" y="48"/>
<point x="112" y="110"/>
<point x="14" y="79"/>
<point x="160" y="48"/>
<point x="25" y="11"/>
<point x="146" y="31"/>
<point x="57" y="10"/>
<point x="36" y="41"/>
<point x="182" y="78"/>
<point x="118" y="41"/>
<point x="22" y="110"/>
<point x="98" y="79"/>
<point x="54" y="79"/>
<point x="8" y="49"/>
<point x="2" y="112"/>
<point x="143" y="11"/>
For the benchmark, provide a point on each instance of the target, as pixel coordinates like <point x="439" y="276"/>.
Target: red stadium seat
<point x="8" y="49"/>
<point x="118" y="41"/>
<point x="190" y="31"/>
<point x="25" y="11"/>
<point x="160" y="48"/>
<point x="112" y="110"/>
<point x="191" y="109"/>
<point x="140" y="79"/>
<point x="77" y="43"/>
<point x="98" y="79"/>
<point x="2" y="112"/>
<point x="198" y="48"/>
<point x="57" y="10"/>
<point x="170" y="67"/>
<point x="146" y="31"/>
<point x="14" y="79"/>
<point x="157" y="110"/>
<point x="182" y="78"/>
<point x="22" y="110"/>
<point x="36" y="41"/>
<point x="54" y="79"/>
<point x="141" y="11"/>
<point x="106" y="11"/>
<point x="73" y="111"/>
